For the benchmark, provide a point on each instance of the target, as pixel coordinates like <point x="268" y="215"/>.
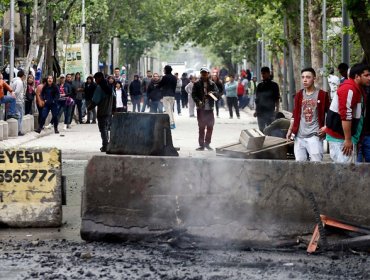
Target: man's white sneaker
<point x="65" y="127"/>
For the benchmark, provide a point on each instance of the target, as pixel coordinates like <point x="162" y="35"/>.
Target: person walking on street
<point x="19" y="91"/>
<point x="103" y="99"/>
<point x="232" y="96"/>
<point x="178" y="93"/>
<point x="30" y="95"/>
<point x="65" y="93"/>
<point x="252" y="88"/>
<point x="79" y="89"/>
<point x="306" y="129"/>
<point x="267" y="99"/>
<point x="90" y="87"/>
<point x="121" y="98"/>
<point x="49" y="99"/>
<point x="8" y="99"/>
<point x="145" y="84"/>
<point x="364" y="146"/>
<point x="184" y="95"/>
<point x="39" y="101"/>
<point x="135" y="93"/>
<point x="189" y="90"/>
<point x="168" y="86"/>
<point x="204" y="93"/>
<point x="155" y="95"/>
<point x="71" y="100"/>
<point x="220" y="87"/>
<point x="344" y="121"/>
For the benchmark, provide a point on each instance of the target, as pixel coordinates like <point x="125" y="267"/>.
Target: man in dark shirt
<point x="103" y="99"/>
<point x="267" y="99"/>
<point x="364" y="147"/>
<point x="168" y="87"/>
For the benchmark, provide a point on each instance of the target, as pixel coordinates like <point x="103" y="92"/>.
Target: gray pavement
<point x="82" y="141"/>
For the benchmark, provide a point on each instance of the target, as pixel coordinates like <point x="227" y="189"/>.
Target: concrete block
<point x="35" y="120"/>
<point x="30" y="188"/>
<point x="141" y="134"/>
<point x="12" y="127"/>
<point x="26" y="127"/>
<point x="227" y="199"/>
<point x="5" y="129"/>
<point x="32" y="123"/>
<point x="1" y="131"/>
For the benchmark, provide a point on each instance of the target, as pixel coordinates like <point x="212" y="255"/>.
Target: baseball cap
<point x="204" y="69"/>
<point x="62" y="76"/>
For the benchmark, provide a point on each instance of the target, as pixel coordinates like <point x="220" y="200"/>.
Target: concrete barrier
<point x="12" y="127"/>
<point x="141" y="134"/>
<point x="1" y="131"/>
<point x="5" y="130"/>
<point x="228" y="199"/>
<point x="30" y="188"/>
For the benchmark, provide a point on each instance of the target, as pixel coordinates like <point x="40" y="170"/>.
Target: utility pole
<point x="11" y="41"/>
<point x="345" y="37"/>
<point x="302" y="35"/>
<point x="258" y="66"/>
<point x="325" y="49"/>
<point x="2" y="40"/>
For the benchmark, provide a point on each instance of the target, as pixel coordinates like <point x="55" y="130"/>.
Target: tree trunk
<point x="361" y="21"/>
<point x="314" y="22"/>
<point x="34" y="38"/>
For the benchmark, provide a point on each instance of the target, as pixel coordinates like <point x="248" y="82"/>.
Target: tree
<point x="360" y="14"/>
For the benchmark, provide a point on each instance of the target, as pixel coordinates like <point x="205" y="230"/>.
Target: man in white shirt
<point x="18" y="90"/>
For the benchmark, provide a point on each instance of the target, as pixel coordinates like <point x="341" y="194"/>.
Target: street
<point x="59" y="253"/>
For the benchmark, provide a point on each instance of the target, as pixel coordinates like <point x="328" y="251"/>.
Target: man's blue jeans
<point x="364" y="150"/>
<point x="9" y="99"/>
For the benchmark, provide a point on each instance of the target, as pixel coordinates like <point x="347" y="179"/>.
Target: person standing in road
<point x="364" y="146"/>
<point x="145" y="83"/>
<point x="49" y="99"/>
<point x="333" y="82"/>
<point x="204" y="92"/>
<point x="155" y="95"/>
<point x="121" y="98"/>
<point x="189" y="90"/>
<point x="10" y="98"/>
<point x="19" y="91"/>
<point x="252" y="88"/>
<point x="65" y="93"/>
<point x="168" y="86"/>
<point x="184" y="95"/>
<point x="232" y="96"/>
<point x="343" y="71"/>
<point x="117" y="77"/>
<point x="267" y="99"/>
<point x="310" y="107"/>
<point x="344" y="121"/>
<point x="79" y="89"/>
<point x="39" y="101"/>
<point x="178" y="93"/>
<point x="30" y="95"/>
<point x="220" y="87"/>
<point x="103" y="99"/>
<point x="90" y="87"/>
<point x="135" y="93"/>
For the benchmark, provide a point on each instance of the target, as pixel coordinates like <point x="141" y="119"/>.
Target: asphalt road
<point x="59" y="253"/>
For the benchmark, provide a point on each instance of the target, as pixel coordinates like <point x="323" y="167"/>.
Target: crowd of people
<point x="338" y="117"/>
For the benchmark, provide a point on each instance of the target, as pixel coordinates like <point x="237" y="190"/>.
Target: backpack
<point x="240" y="89"/>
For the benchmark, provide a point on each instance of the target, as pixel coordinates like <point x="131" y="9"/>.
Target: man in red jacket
<point x="344" y="121"/>
<point x="310" y="106"/>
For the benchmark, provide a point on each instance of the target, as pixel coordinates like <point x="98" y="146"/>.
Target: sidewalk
<point x="83" y="140"/>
